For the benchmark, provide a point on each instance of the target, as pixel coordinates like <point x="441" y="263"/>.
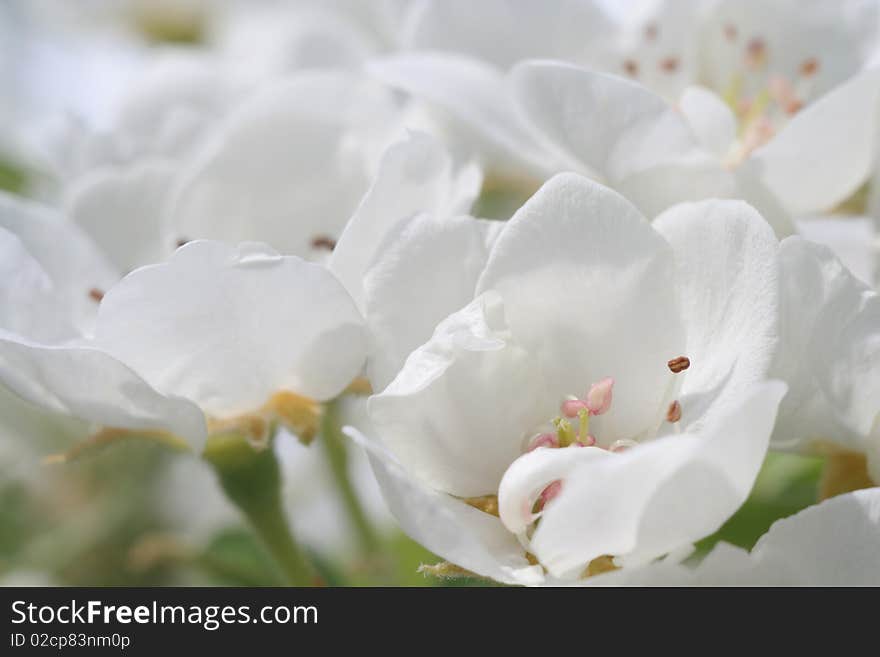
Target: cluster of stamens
<point x="769" y="99"/>
<point x="776" y="99"/>
<point x="597" y="401"/>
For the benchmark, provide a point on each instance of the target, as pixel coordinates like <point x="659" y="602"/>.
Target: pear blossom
<point x="835" y="543"/>
<point x="830" y="356"/>
<point x="743" y="49"/>
<point x="753" y="114"/>
<point x="660" y="154"/>
<point x="289" y="165"/>
<point x="216" y="339"/>
<point x="581" y="300"/>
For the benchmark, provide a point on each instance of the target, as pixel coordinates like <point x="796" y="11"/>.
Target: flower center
<point x="762" y="99"/>
<point x="571" y="428"/>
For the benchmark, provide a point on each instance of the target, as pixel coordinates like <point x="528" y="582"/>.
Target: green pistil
<point x="564" y="431"/>
<point x="584" y="426"/>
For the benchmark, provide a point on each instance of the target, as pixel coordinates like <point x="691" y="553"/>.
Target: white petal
<point x="173" y="100"/>
<point x="836" y="543"/>
<point x="589" y="288"/>
<point x="829" y="349"/>
<point x="727" y="261"/>
<point x="70" y="259"/>
<point x="288" y="166"/>
<point x="656" y="189"/>
<point x="476" y="95"/>
<point x="710" y="118"/>
<point x="448" y="527"/>
<point x="424" y="275"/>
<point x="826" y="151"/>
<point x="414" y="176"/>
<point x="123" y="210"/>
<point x="29" y="304"/>
<point x="851" y="239"/>
<point x="91" y="385"/>
<point x="503" y="32"/>
<point x="461" y="409"/>
<point x="614" y="127"/>
<point x="227" y="327"/>
<point x="656" y="497"/>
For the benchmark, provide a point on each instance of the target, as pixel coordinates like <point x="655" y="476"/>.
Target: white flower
<point x="830" y="356"/>
<point x="741" y="48"/>
<point x="218" y="338"/>
<point x="289" y="166"/>
<point x="660" y="154"/>
<point x="836" y="543"/>
<point x="578" y="287"/>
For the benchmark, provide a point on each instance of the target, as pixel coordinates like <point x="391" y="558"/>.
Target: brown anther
<point x="679" y="364"/>
<point x="181" y="242"/>
<point x="673" y="414"/>
<point x="730" y="32"/>
<point x="96" y="295"/>
<point x="652" y="31"/>
<point x="756" y="47"/>
<point x="631" y="67"/>
<point x="794" y="106"/>
<point x="809" y="67"/>
<point x="756" y="53"/>
<point x="324" y="242"/>
<point x="669" y="64"/>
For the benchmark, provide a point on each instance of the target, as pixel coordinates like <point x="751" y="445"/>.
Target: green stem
<point x="336" y="447"/>
<point x="251" y="479"/>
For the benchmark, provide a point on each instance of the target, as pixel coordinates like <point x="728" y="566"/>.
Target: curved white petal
<point x="424" y="275"/>
<point x="852" y="239"/>
<point x="827" y="150"/>
<point x="69" y="258"/>
<point x="710" y="118"/>
<point x="28" y="300"/>
<point x="657" y="497"/>
<point x="173" y="100"/>
<point x="226" y="327"/>
<point x="589" y="290"/>
<point x="289" y="166"/>
<point x="474" y="93"/>
<point x="124" y="211"/>
<point x="658" y="188"/>
<point x="415" y="175"/>
<point x="727" y="260"/>
<point x="614" y="127"/>
<point x="754" y="191"/>
<point x="835" y="543"/>
<point x="503" y="32"/>
<point x="448" y="527"/>
<point x="91" y="385"/>
<point x="28" y="432"/>
<point x="461" y="409"/>
<point x="829" y="349"/>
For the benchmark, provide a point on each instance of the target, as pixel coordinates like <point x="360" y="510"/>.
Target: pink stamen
<point x="589" y="441"/>
<point x="599" y="398"/>
<point x="571" y="407"/>
<point x="543" y="440"/>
